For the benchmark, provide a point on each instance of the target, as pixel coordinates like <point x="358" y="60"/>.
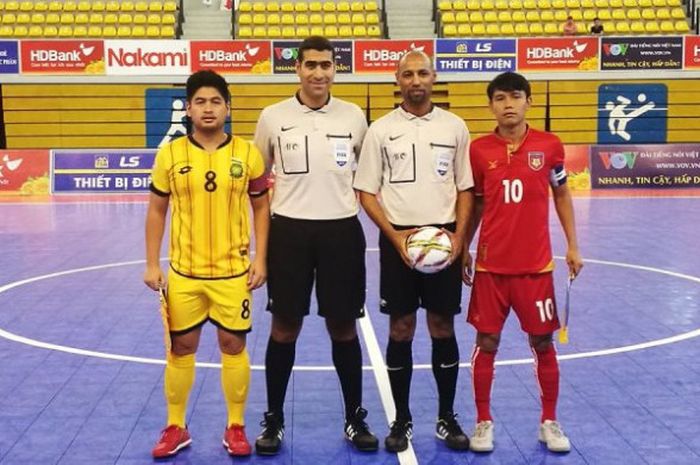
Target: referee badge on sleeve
<point x="535" y="160"/>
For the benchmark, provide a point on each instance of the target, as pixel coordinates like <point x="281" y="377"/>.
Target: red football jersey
<point x="514" y="183"/>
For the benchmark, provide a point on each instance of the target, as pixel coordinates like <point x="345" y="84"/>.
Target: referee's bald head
<point x="415" y="53"/>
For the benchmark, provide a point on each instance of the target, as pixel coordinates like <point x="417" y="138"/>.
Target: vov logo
<point x="166" y="116"/>
<point x="632" y="113"/>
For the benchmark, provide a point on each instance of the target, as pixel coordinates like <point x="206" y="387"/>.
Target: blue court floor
<point x="81" y="351"/>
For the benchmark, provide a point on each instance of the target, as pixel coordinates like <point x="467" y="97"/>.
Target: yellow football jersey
<point x="210" y="225"/>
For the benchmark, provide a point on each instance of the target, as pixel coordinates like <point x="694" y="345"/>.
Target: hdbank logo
<point x="632" y="113"/>
<point x="166" y="116"/>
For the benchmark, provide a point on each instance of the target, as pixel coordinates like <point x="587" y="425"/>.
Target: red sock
<point x="482" y="379"/>
<point x="547" y="374"/>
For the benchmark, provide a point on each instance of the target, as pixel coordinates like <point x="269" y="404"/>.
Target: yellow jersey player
<point x="208" y="178"/>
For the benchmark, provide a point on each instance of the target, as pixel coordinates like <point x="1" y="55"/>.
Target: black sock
<point x="399" y="363"/>
<point x="279" y="360"/>
<point x="445" y="369"/>
<point x="347" y="358"/>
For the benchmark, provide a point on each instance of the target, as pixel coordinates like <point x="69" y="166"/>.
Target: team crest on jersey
<point x="535" y="160"/>
<point x="493" y="164"/>
<point x="236" y="169"/>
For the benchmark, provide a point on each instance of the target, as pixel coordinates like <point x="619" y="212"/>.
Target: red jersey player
<point x="514" y="168"/>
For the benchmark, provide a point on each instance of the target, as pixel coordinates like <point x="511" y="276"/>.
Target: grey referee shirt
<point x="313" y="154"/>
<point x="417" y="165"/>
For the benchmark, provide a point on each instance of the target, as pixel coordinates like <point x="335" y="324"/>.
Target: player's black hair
<point x="207" y="78"/>
<point x="315" y="43"/>
<point x="508" y="82"/>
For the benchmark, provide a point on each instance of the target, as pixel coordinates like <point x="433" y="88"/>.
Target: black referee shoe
<point x="269" y="441"/>
<point x="400" y="432"/>
<point x="358" y="433"/>
<point x="448" y="430"/>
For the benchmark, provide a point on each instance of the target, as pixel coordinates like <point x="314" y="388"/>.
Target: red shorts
<point x="531" y="296"/>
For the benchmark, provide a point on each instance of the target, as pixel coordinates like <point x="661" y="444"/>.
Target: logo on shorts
<point x="236" y="169"/>
<point x="383" y="303"/>
<point x="535" y="160"/>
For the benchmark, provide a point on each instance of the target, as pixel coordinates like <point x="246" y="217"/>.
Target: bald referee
<point x="416" y="159"/>
<point x="312" y="140"/>
<point x="208" y="178"/>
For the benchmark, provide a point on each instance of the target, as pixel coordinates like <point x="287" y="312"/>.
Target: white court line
<point x="127" y="358"/>
<point x="407" y="457"/>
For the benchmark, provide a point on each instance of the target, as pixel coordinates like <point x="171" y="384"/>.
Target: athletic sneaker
<point x="448" y="430"/>
<point x="400" y="432"/>
<point x="482" y="440"/>
<point x="235" y="441"/>
<point x="552" y="435"/>
<point x="358" y="433"/>
<point x="172" y="440"/>
<point x="269" y="441"/>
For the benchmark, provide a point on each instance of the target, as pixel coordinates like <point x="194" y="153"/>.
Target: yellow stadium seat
<point x="129" y="6"/>
<point x="21" y="31"/>
<point x="273" y="19"/>
<point x="663" y="13"/>
<point x="604" y="15"/>
<point x="445" y="5"/>
<point x="459" y="5"/>
<point x="619" y="14"/>
<point x="6" y="31"/>
<point x="259" y="6"/>
<point x="637" y="27"/>
<point x="616" y="3"/>
<point x="245" y="7"/>
<point x="80" y="31"/>
<point x="476" y="17"/>
<point x="659" y="3"/>
<point x="259" y="32"/>
<point x="504" y="17"/>
<point x="447" y="17"/>
<point x="53" y="19"/>
<point x="67" y="18"/>
<point x="358" y="18"/>
<point x="138" y="6"/>
<point x="464" y="30"/>
<point x="329" y="7"/>
<point x="274" y="32"/>
<point x="301" y="7"/>
<point x="113" y="6"/>
<point x="303" y="31"/>
<point x="12" y="6"/>
<point x="518" y="17"/>
<point x="536" y="29"/>
<point x="272" y="6"/>
<point x="152" y="32"/>
<point x="245" y="32"/>
<point x="674" y="2"/>
<point x="630" y="3"/>
<point x="551" y="29"/>
<point x="167" y="32"/>
<point x="573" y="4"/>
<point x="462" y="17"/>
<point x="622" y="27"/>
<point x="138" y="32"/>
<point x="576" y="15"/>
<point x="154" y="18"/>
<point x="559" y="15"/>
<point x="288" y="32"/>
<point x="449" y="30"/>
<point x="478" y="29"/>
<point x="581" y="29"/>
<point x="55" y="6"/>
<point x="507" y="30"/>
<point x="681" y="26"/>
<point x="168" y="18"/>
<point x="38" y="31"/>
<point x="316" y="6"/>
<point x="302" y="19"/>
<point x="667" y="26"/>
<point x="123" y="18"/>
<point x="315" y="18"/>
<point x="26" y="6"/>
<point x="330" y="31"/>
<point x="530" y="4"/>
<point x="501" y="4"/>
<point x="677" y="13"/>
<point x="544" y="4"/>
<point x="169" y="6"/>
<point x="493" y="29"/>
<point x="487" y="5"/>
<point x="314" y="31"/>
<point x="343" y="6"/>
<point x="9" y="18"/>
<point x="371" y="6"/>
<point x="651" y="27"/>
<point x="93" y="31"/>
<point x="84" y="6"/>
<point x="532" y="16"/>
<point x="124" y="31"/>
<point x="490" y="17"/>
<point x="521" y="29"/>
<point x="65" y="31"/>
<point x="23" y="18"/>
<point x="69" y="5"/>
<point x="589" y="15"/>
<point x="344" y="18"/>
<point x="139" y="18"/>
<point x="245" y="18"/>
<point x="587" y="3"/>
<point x="648" y="13"/>
<point x="155" y="6"/>
<point x="38" y="18"/>
<point x="602" y="3"/>
<point x="374" y="31"/>
<point x="286" y="18"/>
<point x="345" y="32"/>
<point x="547" y="15"/>
<point x="373" y="18"/>
<point x="357" y="6"/>
<point x="473" y="5"/>
<point x="259" y="18"/>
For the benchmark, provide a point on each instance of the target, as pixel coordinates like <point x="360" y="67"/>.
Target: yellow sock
<point x="235" y="379"/>
<point x="179" y="376"/>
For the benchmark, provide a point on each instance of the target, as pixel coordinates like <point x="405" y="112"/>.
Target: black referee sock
<point x="347" y="358"/>
<point x="279" y="360"/>
<point x="399" y="365"/>
<point x="445" y="369"/>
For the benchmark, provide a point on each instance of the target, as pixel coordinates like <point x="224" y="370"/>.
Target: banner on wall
<point x="381" y="56"/>
<point x="147" y="57"/>
<point x="692" y="52"/>
<point x="578" y="172"/>
<point x="631" y="53"/>
<point x="285" y="52"/>
<point x="645" y="166"/>
<point x="106" y="171"/>
<point x="9" y="57"/>
<point x="62" y="57"/>
<point x="632" y="113"/>
<point x="558" y="54"/>
<point x="475" y="55"/>
<point x="232" y="56"/>
<point x="24" y="172"/>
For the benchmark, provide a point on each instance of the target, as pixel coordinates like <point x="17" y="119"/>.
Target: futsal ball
<point x="429" y="249"/>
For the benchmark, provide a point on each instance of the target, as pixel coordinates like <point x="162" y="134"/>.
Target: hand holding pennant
<point x="564" y="319"/>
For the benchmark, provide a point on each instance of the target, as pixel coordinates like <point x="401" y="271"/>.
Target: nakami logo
<point x="389" y="55"/>
<point x="225" y="55"/>
<point x="551" y="52"/>
<point x="139" y="57"/>
<point x="61" y="56"/>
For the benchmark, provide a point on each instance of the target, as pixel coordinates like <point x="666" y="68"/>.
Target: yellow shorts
<point x="227" y="303"/>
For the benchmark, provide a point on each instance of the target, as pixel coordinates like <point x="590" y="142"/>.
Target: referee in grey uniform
<point x="416" y="159"/>
<point x="312" y="140"/>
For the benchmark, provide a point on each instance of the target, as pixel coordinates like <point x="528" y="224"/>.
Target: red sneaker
<point x="235" y="441"/>
<point x="172" y="439"/>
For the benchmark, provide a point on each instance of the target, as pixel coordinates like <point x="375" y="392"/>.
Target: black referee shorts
<point x="329" y="252"/>
<point x="403" y="290"/>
